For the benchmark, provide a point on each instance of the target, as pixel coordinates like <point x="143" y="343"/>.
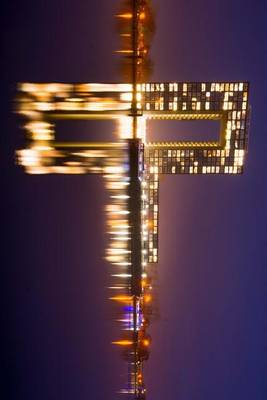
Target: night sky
<point x="210" y="340"/>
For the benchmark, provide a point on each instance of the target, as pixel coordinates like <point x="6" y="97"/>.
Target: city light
<point x="131" y="166"/>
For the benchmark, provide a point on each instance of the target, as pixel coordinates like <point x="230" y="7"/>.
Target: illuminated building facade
<point x="226" y="102"/>
<point x="131" y="165"/>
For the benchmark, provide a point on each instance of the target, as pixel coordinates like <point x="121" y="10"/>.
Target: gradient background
<point x="210" y="342"/>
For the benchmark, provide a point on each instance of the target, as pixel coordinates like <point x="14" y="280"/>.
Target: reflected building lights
<point x="227" y="102"/>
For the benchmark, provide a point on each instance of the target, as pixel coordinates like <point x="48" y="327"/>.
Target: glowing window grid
<point x="43" y="104"/>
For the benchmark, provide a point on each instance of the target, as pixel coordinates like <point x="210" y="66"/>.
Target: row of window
<point x="161" y="105"/>
<point x="195" y="96"/>
<point x="155" y="154"/>
<point x="194" y="86"/>
<point x="232" y="169"/>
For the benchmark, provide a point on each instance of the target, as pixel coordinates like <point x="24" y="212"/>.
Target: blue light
<point x="128" y="308"/>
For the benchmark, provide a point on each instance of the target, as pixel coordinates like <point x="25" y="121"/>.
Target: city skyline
<point x="169" y="189"/>
<point x="132" y="167"/>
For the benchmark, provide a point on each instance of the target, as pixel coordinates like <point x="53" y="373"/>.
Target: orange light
<point x="123" y="342"/>
<point x="123" y="299"/>
<point x="125" y="15"/>
<point x="124" y="51"/>
<point x="150" y="223"/>
<point x="146" y="342"/>
<point x="147" y="298"/>
<point x="142" y="16"/>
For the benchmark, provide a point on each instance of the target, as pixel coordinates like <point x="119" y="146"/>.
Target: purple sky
<point x="210" y="342"/>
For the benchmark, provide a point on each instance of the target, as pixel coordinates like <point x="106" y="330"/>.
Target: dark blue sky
<point x="211" y="339"/>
